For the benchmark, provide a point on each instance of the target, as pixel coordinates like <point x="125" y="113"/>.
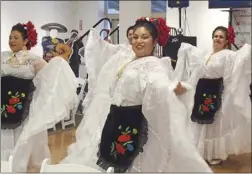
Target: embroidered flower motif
<point x="205" y="108"/>
<point x="124" y="142"/>
<point x="120" y="149"/>
<point x="208" y="101"/>
<point x="3" y="111"/>
<point x="23" y="95"/>
<point x="130" y="147"/>
<point x="19" y="107"/>
<point x="208" y="104"/>
<point x="124" y="138"/>
<point x="11" y="109"/>
<point x="134" y="131"/>
<point x="13" y="105"/>
<point x="14" y="100"/>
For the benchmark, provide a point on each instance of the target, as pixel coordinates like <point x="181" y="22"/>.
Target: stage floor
<point x="60" y="140"/>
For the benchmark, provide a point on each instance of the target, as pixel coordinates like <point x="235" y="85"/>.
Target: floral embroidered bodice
<point x="129" y="89"/>
<point x="218" y="64"/>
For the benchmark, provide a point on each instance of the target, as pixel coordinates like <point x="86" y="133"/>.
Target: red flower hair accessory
<point x="231" y="35"/>
<point x="32" y="35"/>
<point x="163" y="29"/>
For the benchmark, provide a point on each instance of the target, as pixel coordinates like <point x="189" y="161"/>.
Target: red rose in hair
<point x="164" y="31"/>
<point x="141" y="19"/>
<point x="161" y="22"/>
<point x="32" y="35"/>
<point x="231" y="35"/>
<point x="30" y="25"/>
<point x="152" y="20"/>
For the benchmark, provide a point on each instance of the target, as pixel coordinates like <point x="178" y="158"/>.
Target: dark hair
<point x="223" y="29"/>
<point x="149" y="26"/>
<point x="20" y="28"/>
<point x="74" y="31"/>
<point x="130" y="28"/>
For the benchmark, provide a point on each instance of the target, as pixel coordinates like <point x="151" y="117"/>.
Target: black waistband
<point x="136" y="108"/>
<point x="211" y="81"/>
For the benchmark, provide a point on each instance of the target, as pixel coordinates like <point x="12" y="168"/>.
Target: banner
<point x="241" y="21"/>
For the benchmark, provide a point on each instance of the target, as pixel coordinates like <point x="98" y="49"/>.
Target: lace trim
<point x="143" y="138"/>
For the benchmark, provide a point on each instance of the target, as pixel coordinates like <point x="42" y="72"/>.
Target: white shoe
<point x="215" y="162"/>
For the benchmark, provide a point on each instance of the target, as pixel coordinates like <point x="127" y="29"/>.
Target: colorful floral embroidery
<point x="124" y="142"/>
<point x="208" y="104"/>
<point x="13" y="105"/>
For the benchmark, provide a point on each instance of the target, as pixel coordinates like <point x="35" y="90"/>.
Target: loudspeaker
<point x="173" y="45"/>
<point x="178" y="3"/>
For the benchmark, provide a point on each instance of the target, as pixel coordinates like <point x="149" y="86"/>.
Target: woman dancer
<point x="129" y="34"/>
<point x="35" y="95"/>
<point x="222" y="107"/>
<point x="134" y="122"/>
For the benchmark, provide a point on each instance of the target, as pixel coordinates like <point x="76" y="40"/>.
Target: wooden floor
<point x="59" y="141"/>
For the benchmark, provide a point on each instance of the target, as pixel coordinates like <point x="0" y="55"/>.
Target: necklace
<point x="13" y="61"/>
<point x="208" y="60"/>
<point x="121" y="70"/>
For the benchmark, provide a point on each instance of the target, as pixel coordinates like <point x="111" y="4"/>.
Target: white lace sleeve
<point x="97" y="52"/>
<point x="3" y="61"/>
<point x="189" y="64"/>
<point x="37" y="63"/>
<point x="240" y="80"/>
<point x="52" y="101"/>
<point x="54" y="97"/>
<point x="168" y="143"/>
<point x="166" y="63"/>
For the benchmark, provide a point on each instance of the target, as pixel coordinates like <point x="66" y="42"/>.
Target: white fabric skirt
<point x="35" y="150"/>
<point x="9" y="138"/>
<point x="229" y="134"/>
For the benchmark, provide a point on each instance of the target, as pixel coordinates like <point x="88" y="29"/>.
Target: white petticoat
<point x="229" y="134"/>
<point x="9" y="138"/>
<point x="35" y="149"/>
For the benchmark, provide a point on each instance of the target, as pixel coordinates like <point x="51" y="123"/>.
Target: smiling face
<point x="220" y="41"/>
<point x="16" y="41"/>
<point x="142" y="42"/>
